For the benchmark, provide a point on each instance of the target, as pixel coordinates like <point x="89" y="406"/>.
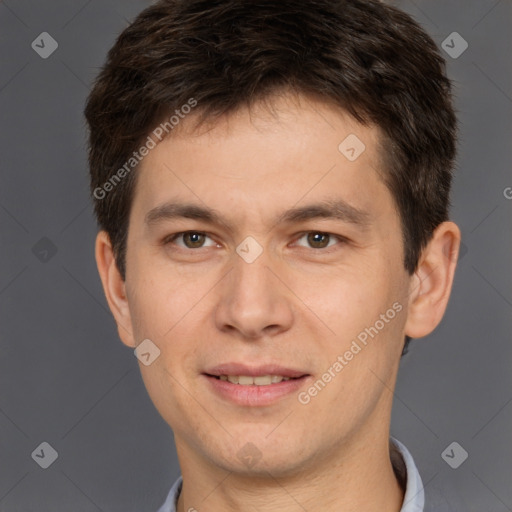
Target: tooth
<point x="246" y="380"/>
<point x="263" y="380"/>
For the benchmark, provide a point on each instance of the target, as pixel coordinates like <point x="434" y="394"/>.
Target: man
<point x="271" y="181"/>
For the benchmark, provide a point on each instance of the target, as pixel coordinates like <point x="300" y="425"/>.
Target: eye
<point x="190" y="239"/>
<point x="319" y="239"/>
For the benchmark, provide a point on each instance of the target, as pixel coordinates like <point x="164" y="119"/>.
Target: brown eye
<point x="318" y="240"/>
<point x="193" y="240"/>
<point x="189" y="240"/>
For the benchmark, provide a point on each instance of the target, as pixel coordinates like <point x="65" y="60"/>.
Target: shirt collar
<point x="414" y="499"/>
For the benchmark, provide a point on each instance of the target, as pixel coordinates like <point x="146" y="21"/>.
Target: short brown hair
<point x="369" y="58"/>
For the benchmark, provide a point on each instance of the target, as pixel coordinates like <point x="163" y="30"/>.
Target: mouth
<point x="254" y="386"/>
<point x="247" y="380"/>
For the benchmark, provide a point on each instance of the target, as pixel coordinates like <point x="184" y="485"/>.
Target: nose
<point x="253" y="301"/>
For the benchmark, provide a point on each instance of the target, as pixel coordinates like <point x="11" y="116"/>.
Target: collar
<point x="403" y="464"/>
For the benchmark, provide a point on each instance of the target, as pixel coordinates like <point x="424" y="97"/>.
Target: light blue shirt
<point x="414" y="499"/>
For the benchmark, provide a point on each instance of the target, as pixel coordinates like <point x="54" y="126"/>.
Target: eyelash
<point x="171" y="238"/>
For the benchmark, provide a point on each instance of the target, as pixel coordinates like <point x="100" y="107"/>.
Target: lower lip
<point x="252" y="395"/>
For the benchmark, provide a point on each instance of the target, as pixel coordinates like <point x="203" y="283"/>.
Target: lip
<point x="253" y="395"/>
<point x="254" y="371"/>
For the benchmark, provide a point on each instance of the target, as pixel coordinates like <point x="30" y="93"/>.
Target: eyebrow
<point x="337" y="209"/>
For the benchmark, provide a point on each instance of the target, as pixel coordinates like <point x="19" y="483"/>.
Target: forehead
<point x="276" y="153"/>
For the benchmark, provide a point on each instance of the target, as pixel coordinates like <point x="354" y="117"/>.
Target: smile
<point x="247" y="380"/>
<point x="254" y="391"/>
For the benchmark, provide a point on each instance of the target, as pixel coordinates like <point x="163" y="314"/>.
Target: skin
<point x="298" y="304"/>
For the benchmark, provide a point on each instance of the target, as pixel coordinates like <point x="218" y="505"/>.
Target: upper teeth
<point x="245" y="380"/>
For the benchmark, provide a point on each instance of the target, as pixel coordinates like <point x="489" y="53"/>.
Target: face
<point x="262" y="247"/>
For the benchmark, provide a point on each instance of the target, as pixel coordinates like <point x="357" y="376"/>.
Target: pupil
<point x="195" y="238"/>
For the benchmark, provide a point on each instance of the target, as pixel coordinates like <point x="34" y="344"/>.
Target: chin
<point x="261" y="458"/>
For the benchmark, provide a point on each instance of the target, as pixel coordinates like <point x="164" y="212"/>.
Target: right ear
<point x="114" y="287"/>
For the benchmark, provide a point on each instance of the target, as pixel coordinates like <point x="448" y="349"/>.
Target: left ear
<point x="431" y="284"/>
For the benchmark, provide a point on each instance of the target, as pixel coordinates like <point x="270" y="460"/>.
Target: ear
<point x="431" y="284"/>
<point x="114" y="288"/>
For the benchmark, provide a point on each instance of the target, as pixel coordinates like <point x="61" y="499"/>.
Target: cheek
<point x="159" y="302"/>
<point x="364" y="350"/>
<point x="168" y="310"/>
<point x="360" y="314"/>
<point x="344" y="300"/>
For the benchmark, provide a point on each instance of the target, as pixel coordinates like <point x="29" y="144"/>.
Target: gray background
<point x="66" y="379"/>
